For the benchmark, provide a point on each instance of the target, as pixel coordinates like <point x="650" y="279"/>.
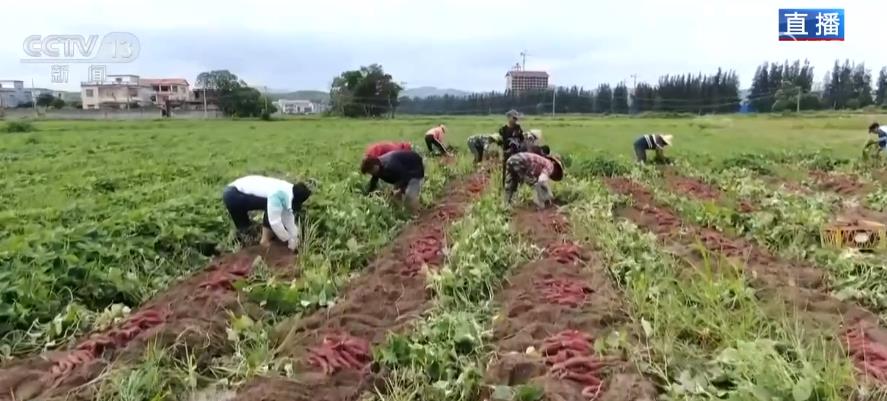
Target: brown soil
<point x="329" y="345"/>
<point x="192" y="312"/>
<point x="558" y="305"/>
<point x="839" y="183"/>
<point x="801" y="288"/>
<point x="692" y="186"/>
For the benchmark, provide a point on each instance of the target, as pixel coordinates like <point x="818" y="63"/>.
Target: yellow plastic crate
<point x="859" y="234"/>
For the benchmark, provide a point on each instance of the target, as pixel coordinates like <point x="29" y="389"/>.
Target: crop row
<point x="705" y="333"/>
<point x="788" y="223"/>
<point x="69" y="264"/>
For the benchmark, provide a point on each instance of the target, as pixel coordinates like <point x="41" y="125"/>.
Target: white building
<point x="286" y="106"/>
<point x="14" y="94"/>
<point x="116" y="91"/>
<point x="121" y="91"/>
<point x="175" y="90"/>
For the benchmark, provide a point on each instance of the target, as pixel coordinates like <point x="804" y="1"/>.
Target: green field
<point x="98" y="214"/>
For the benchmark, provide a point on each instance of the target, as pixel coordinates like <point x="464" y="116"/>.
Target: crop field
<point x="705" y="279"/>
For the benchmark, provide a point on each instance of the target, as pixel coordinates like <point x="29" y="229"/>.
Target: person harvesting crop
<point x="380" y="148"/>
<point x="535" y="170"/>
<point x="280" y="201"/>
<point x="878" y="130"/>
<point x="402" y="168"/>
<point x="533" y="138"/>
<point x="512" y="138"/>
<point x="478" y="144"/>
<point x="655" y="142"/>
<point x="434" y="139"/>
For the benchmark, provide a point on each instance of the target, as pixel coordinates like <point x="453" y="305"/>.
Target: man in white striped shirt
<point x="654" y="142"/>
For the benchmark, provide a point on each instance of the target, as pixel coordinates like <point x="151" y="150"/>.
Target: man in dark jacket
<point x="402" y="168"/>
<point x="512" y="138"/>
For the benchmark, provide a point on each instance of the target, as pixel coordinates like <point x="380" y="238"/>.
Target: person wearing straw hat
<point x="534" y="170"/>
<point x="655" y="142"/>
<point x="533" y="138"/>
<point x="281" y="202"/>
<point x="478" y="144"/>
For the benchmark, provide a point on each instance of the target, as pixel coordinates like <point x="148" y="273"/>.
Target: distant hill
<point x="426" y="91"/>
<point x="312" y="95"/>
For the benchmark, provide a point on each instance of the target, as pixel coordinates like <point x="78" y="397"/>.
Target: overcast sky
<point x="463" y="44"/>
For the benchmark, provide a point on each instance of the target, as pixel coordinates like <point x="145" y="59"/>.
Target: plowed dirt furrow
<point x="193" y="311"/>
<point x="331" y="346"/>
<point x="801" y="287"/>
<point x="552" y="310"/>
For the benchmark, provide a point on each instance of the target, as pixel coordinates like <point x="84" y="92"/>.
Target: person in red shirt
<point x="535" y="170"/>
<point x="378" y="149"/>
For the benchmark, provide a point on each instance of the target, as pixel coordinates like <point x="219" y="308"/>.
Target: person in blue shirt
<point x="878" y="130"/>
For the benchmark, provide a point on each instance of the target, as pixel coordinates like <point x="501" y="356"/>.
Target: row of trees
<point x="370" y="92"/>
<point x="780" y="87"/>
<point x="716" y="93"/>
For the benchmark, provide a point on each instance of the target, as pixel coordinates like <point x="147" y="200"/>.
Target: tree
<point x="367" y="92"/>
<point x="603" y="99"/>
<point x="221" y="80"/>
<point x="644" y="97"/>
<point x="861" y="85"/>
<point x="881" y="91"/>
<point x="620" y="99"/>
<point x="57" y="103"/>
<point x="45" y="100"/>
<point x="235" y="97"/>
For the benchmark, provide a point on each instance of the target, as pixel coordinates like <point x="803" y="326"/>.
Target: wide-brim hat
<point x="558" y="173"/>
<point x="667" y="139"/>
<point x="513" y="113"/>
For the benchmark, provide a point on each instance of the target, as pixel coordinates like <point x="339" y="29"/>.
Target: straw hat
<point x="513" y="113"/>
<point x="558" y="173"/>
<point x="667" y="139"/>
<point x="537" y="133"/>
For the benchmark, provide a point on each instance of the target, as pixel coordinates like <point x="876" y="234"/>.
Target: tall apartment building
<point x="517" y="81"/>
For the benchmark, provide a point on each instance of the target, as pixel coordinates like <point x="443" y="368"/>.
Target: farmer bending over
<point x="535" y="170"/>
<point x="434" y="139"/>
<point x="533" y="138"/>
<point x="279" y="200"/>
<point x="655" y="142"/>
<point x="401" y="168"/>
<point x="878" y="130"/>
<point x="380" y="148"/>
<point x="478" y="144"/>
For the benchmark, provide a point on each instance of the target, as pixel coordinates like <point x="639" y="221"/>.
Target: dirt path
<point x="332" y="346"/>
<point x="801" y="287"/>
<point x="555" y="307"/>
<point x="193" y="311"/>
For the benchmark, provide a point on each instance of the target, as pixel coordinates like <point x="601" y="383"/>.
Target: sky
<point x="462" y="44"/>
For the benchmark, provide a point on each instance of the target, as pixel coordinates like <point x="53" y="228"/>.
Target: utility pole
<point x="553" y="99"/>
<point x="204" y="100"/>
<point x="798" y="106"/>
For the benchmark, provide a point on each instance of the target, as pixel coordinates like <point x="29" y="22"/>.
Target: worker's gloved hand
<point x="293" y="243"/>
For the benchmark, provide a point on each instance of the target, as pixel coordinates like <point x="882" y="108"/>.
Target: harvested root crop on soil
<point x="550" y="310"/>
<point x="328" y="345"/>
